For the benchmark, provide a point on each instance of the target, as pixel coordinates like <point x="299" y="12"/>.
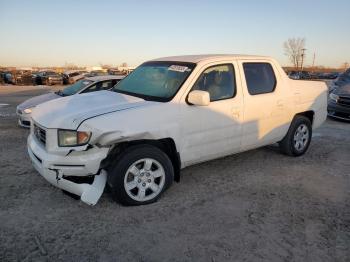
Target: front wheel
<point x="140" y="175"/>
<point x="298" y="138"/>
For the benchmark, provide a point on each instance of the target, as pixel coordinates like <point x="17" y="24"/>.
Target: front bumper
<point x="58" y="170"/>
<point x="338" y="111"/>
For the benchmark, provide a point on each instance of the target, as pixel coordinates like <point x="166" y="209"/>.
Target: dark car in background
<point x="36" y="77"/>
<point x="299" y="75"/>
<point x="23" y="77"/>
<point x="50" y="78"/>
<point x="332" y="75"/>
<point x="342" y="80"/>
<point x="8" y="77"/>
<point x="339" y="103"/>
<point x="2" y="77"/>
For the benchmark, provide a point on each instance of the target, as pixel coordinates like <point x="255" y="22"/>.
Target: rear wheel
<point x="298" y="138"/>
<point x="140" y="175"/>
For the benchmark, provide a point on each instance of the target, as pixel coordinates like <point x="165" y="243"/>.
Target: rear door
<point x="265" y="108"/>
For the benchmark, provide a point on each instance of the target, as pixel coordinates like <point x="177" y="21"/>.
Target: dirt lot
<point x="255" y="206"/>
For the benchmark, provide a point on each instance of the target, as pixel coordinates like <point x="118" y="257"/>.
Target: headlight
<point x="28" y="110"/>
<point x="333" y="97"/>
<point x="73" y="138"/>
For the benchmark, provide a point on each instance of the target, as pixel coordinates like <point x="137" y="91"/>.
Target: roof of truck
<point x="199" y="58"/>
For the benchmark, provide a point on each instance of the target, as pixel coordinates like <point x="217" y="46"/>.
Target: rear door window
<point x="260" y="78"/>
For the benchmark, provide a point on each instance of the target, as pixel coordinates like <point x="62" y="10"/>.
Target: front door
<point x="215" y="130"/>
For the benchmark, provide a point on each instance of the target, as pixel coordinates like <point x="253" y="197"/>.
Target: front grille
<point x="40" y="134"/>
<point x="344" y="101"/>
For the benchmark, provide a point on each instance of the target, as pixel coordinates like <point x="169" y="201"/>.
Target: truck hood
<point x="32" y="102"/>
<point x="69" y="112"/>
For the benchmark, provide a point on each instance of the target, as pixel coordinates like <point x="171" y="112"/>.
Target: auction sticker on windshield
<point x="178" y="68"/>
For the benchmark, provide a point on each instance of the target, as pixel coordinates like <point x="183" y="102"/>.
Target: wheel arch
<point x="310" y="114"/>
<point x="167" y="145"/>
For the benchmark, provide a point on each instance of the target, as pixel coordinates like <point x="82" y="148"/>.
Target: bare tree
<point x="294" y="49"/>
<point x="345" y="66"/>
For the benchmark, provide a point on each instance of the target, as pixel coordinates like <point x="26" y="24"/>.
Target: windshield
<point x="158" y="81"/>
<point x="73" y="89"/>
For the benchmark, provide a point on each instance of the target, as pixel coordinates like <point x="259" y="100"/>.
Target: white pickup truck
<point x="168" y="114"/>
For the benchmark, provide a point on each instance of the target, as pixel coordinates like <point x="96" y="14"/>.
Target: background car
<point x="96" y="73"/>
<point x="339" y="103"/>
<point x="8" y="77"/>
<point x="51" y="78"/>
<point x="70" y="77"/>
<point x="299" y="75"/>
<point x="332" y="75"/>
<point x="23" y="77"/>
<point x="36" y="75"/>
<point x="2" y="77"/>
<point x="342" y="80"/>
<point x="87" y="85"/>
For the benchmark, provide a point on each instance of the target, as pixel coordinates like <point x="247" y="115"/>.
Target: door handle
<point x="279" y="103"/>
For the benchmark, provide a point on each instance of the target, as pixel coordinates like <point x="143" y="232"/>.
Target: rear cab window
<point x="260" y="77"/>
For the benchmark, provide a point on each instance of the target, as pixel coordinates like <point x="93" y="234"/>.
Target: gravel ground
<point x="255" y="206"/>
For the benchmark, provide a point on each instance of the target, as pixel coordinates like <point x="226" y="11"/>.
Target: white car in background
<point x="86" y="85"/>
<point x="168" y="114"/>
<point x="70" y="77"/>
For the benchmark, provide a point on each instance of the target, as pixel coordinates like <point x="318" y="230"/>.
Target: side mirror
<point x="199" y="98"/>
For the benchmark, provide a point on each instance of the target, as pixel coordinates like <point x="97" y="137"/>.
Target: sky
<point x="89" y="33"/>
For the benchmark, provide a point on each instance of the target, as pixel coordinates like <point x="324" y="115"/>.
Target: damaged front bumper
<point x="64" y="171"/>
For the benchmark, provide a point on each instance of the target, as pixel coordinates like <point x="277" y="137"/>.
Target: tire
<point x="297" y="140"/>
<point x="130" y="168"/>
